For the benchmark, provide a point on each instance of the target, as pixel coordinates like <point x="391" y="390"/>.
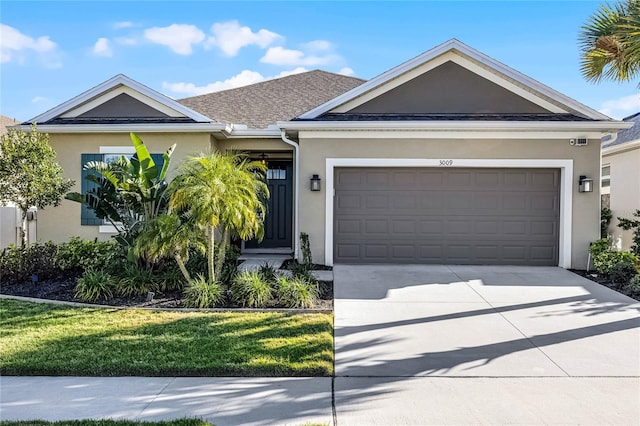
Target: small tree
<point x="29" y="173"/>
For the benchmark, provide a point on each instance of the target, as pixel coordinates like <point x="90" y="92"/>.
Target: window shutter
<point x="158" y="159"/>
<point x="87" y="216"/>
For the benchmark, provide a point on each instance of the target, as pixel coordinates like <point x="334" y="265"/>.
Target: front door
<point x="278" y="221"/>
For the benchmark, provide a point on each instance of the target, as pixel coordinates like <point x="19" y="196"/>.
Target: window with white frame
<point x="605" y="179"/>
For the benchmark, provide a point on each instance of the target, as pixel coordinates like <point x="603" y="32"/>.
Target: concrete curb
<point x="91" y="305"/>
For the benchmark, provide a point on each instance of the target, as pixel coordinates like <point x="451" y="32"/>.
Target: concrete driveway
<point x="434" y="344"/>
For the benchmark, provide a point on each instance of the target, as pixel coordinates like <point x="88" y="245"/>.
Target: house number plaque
<point x="446" y="162"/>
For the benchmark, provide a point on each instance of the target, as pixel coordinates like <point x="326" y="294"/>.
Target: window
<point x="277" y="173"/>
<point x="605" y="179"/>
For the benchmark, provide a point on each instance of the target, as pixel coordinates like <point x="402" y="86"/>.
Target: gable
<point x="448" y="89"/>
<point x="123" y="105"/>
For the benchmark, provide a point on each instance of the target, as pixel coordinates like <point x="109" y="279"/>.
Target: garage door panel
<point x="470" y="216"/>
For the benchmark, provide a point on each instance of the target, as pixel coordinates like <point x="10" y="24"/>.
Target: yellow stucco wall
<point x="60" y="223"/>
<point x="315" y="151"/>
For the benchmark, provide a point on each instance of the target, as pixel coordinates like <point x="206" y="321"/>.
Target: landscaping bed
<point x="607" y="282"/>
<point x="58" y="340"/>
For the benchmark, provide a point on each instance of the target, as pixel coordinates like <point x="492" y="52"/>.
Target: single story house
<point x="450" y="157"/>
<point x="621" y="179"/>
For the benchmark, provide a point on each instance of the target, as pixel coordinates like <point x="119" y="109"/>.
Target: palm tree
<point x="225" y="191"/>
<point x="610" y="43"/>
<point x="169" y="235"/>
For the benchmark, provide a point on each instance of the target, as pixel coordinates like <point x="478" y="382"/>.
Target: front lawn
<point x="43" y="339"/>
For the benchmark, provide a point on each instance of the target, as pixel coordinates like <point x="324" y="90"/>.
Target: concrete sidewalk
<point x="222" y="401"/>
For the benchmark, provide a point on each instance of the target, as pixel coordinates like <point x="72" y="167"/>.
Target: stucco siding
<point x="315" y="151"/>
<point x="60" y="223"/>
<point x="624" y="192"/>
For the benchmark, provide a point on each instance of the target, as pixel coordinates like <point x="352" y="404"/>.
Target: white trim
<point x="136" y="128"/>
<point x="566" y="189"/>
<point x="117" y="150"/>
<point x="455" y="45"/>
<point x="616" y="149"/>
<point x="476" y="126"/>
<point x="107" y="96"/>
<point x="119" y="80"/>
<point x="107" y="229"/>
<point x="450" y="56"/>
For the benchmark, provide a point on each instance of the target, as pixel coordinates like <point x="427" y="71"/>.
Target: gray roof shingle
<point x="627" y="135"/>
<point x="262" y="104"/>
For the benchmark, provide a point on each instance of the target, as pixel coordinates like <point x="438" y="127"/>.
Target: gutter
<point x="126" y="128"/>
<point x="296" y="210"/>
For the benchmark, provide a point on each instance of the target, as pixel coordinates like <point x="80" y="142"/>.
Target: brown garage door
<point x="451" y="216"/>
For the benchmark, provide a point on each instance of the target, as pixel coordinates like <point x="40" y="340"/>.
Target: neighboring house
<point x="450" y="157"/>
<point x="621" y="179"/>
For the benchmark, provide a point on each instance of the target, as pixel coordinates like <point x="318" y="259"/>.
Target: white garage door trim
<point x="566" y="189"/>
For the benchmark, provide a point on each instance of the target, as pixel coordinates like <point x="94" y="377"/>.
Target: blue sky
<point x="54" y="50"/>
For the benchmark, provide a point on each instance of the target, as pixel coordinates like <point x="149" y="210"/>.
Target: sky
<point x="51" y="51"/>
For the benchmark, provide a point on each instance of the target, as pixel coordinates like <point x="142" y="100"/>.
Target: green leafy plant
<point x="301" y="271"/>
<point x="605" y="220"/>
<point x="201" y="293"/>
<point x="296" y="292"/>
<point x="80" y="255"/>
<point x="306" y="250"/>
<point x="622" y="273"/>
<point x="634" y="225"/>
<point x="134" y="281"/>
<point x="599" y="246"/>
<point x="268" y="272"/>
<point x="29" y="173"/>
<point x="250" y="288"/>
<point x="94" y="285"/>
<point x="606" y="261"/>
<point x="129" y="192"/>
<point x="19" y="264"/>
<point x="633" y="288"/>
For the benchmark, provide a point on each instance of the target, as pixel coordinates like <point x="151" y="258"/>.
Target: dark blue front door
<point x="278" y="221"/>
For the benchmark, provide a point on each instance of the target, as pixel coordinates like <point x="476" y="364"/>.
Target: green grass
<point x="43" y="339"/>
<point x="180" y="422"/>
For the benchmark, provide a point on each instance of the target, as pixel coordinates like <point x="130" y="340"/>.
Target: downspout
<point x="296" y="208"/>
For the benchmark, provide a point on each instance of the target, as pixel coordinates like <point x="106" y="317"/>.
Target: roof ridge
<point x="317" y="70"/>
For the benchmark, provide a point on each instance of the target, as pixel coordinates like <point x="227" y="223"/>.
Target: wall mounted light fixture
<point x="585" y="184"/>
<point x="263" y="158"/>
<point x="315" y="183"/>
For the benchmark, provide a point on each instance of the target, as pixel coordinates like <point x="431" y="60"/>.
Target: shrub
<point x="303" y="272"/>
<point x="94" y="285"/>
<point x="134" y="281"/>
<point x="250" y="288"/>
<point x="169" y="279"/>
<point x="633" y="287"/>
<point x="200" y="293"/>
<point x="268" y="272"/>
<point x="632" y="225"/>
<point x="296" y="292"/>
<point x="18" y="264"/>
<point x="80" y="255"/>
<point x="606" y="261"/>
<point x="622" y="273"/>
<point x="599" y="246"/>
<point x="605" y="220"/>
<point x="230" y="265"/>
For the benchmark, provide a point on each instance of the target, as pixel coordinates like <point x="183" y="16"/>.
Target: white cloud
<point x="178" y="37"/>
<point x="287" y="57"/>
<point x="103" y="47"/>
<point x="244" y="78"/>
<point x="122" y="24"/>
<point x="39" y="99"/>
<point x="318" y="45"/>
<point x="621" y="107"/>
<point x="230" y="37"/>
<point x="346" y="71"/>
<point x="14" y="45"/>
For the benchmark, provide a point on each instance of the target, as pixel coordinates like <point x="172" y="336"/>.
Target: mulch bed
<point x="605" y="281"/>
<point x="63" y="289"/>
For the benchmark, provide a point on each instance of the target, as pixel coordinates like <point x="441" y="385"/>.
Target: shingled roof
<point x="6" y="122"/>
<point x="627" y="135"/>
<point x="262" y="104"/>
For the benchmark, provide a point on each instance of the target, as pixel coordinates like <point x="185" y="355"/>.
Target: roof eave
<point x="125" y="128"/>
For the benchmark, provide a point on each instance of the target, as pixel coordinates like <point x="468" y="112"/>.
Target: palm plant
<point x="610" y="42"/>
<point x="225" y="191"/>
<point x="170" y="235"/>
